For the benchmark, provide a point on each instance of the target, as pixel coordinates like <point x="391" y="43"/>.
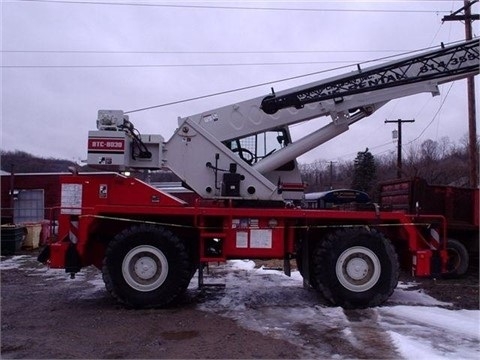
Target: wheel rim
<point x="358" y="269"/>
<point x="453" y="260"/>
<point x="145" y="268"/>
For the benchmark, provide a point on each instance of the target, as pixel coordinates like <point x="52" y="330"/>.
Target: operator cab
<point x="254" y="148"/>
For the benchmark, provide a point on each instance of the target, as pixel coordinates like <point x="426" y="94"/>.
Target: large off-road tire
<point x="458" y="259"/>
<point x="146" y="266"/>
<point x="356" y="268"/>
<point x="301" y="253"/>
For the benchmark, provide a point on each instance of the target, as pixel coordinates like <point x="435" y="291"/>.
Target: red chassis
<point x="106" y="204"/>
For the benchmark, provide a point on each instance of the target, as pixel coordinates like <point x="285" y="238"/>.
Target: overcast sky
<point x="62" y="61"/>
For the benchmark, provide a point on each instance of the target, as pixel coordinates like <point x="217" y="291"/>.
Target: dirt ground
<point x="41" y="319"/>
<point x="462" y="293"/>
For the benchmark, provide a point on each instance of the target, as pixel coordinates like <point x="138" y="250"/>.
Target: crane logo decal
<point x="110" y="145"/>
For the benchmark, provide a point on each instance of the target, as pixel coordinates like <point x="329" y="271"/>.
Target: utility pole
<point x="331" y="174"/>
<point x="468" y="18"/>
<point x="12" y="191"/>
<point x="399" y="145"/>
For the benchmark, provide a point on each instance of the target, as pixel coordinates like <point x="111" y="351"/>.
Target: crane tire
<point x="458" y="259"/>
<point x="299" y="260"/>
<point x="146" y="266"/>
<point x="356" y="268"/>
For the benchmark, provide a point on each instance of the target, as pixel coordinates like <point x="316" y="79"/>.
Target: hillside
<point x="27" y="163"/>
<point x="23" y="162"/>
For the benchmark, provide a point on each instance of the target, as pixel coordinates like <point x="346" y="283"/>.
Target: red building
<point x="29" y="197"/>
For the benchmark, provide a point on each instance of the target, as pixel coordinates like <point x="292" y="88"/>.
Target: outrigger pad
<point x="72" y="260"/>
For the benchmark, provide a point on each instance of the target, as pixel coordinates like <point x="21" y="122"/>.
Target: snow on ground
<point x="411" y="325"/>
<point x="415" y="325"/>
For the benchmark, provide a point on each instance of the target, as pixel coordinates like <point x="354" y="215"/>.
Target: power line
<point x="196" y="52"/>
<point x="369" y="148"/>
<point x="233" y="7"/>
<point x="228" y="91"/>
<point x="350" y="62"/>
<point x="434" y="116"/>
<point x="182" y="65"/>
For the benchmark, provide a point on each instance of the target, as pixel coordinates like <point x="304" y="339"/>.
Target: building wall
<point x="49" y="182"/>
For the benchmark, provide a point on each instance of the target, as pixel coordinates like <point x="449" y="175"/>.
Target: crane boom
<point x="445" y="64"/>
<point x="338" y="96"/>
<point x="244" y="150"/>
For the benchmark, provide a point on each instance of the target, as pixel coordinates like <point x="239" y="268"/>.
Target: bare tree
<point x="439" y="162"/>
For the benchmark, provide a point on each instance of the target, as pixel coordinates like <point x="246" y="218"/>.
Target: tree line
<point x="440" y="162"/>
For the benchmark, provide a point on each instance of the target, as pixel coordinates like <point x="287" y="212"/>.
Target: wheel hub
<point x="145" y="268"/>
<point x="358" y="269"/>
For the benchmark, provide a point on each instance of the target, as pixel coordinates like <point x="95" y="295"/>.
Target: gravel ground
<point x="462" y="293"/>
<point x="42" y="317"/>
<point x="46" y="318"/>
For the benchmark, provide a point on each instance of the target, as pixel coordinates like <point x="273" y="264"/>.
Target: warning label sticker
<point x="71" y="199"/>
<point x="261" y="239"/>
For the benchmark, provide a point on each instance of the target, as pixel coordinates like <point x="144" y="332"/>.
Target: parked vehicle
<point x="459" y="206"/>
<point x="335" y="198"/>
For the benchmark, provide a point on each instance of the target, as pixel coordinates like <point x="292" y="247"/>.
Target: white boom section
<point x="197" y="152"/>
<point x="338" y="95"/>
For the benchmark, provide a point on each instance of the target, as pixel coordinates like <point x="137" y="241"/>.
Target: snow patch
<point x="14" y="262"/>
<point x="413" y="297"/>
<point x="462" y="322"/>
<point x="422" y="349"/>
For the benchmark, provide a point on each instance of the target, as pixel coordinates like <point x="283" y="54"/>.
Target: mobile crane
<point x="241" y="162"/>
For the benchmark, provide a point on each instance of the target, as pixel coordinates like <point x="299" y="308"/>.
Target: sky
<point x="62" y="61"/>
<point x="410" y="325"/>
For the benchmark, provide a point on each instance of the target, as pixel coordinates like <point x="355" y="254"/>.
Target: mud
<point x="461" y="293"/>
<point x="43" y="319"/>
<point x="46" y="316"/>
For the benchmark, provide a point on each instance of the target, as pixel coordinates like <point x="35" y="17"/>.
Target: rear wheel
<point x="457" y="263"/>
<point x="146" y="266"/>
<point x="356" y="268"/>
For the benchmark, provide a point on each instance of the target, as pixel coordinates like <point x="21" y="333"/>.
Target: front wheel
<point x="356" y="268"/>
<point x="146" y="266"/>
